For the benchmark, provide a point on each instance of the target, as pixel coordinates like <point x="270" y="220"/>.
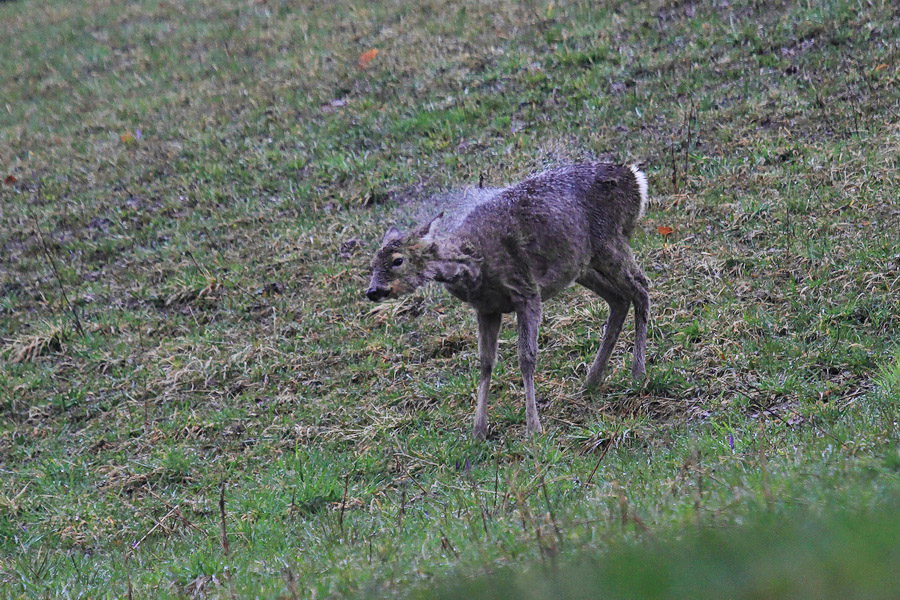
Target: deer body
<point x="523" y="246"/>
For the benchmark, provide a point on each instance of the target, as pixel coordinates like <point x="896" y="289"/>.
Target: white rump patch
<point x="641" y="178"/>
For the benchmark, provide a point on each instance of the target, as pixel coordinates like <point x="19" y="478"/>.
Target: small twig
<point x="627" y="514"/>
<point x="402" y="510"/>
<point x="515" y="493"/>
<point x="145" y="397"/>
<point x="226" y="573"/>
<point x="155" y="527"/>
<point x="446" y="545"/>
<point x="688" y="121"/>
<point x="763" y="464"/>
<point x="698" y="501"/>
<point x="425" y="492"/>
<point x="222" y="515"/>
<point x="496" y="483"/>
<point x="481" y="505"/>
<point x="765" y="411"/>
<point x="539" y="537"/>
<point x="527" y="517"/>
<point x="343" y="504"/>
<point x="177" y="511"/>
<point x="290" y="582"/>
<point x="128" y="575"/>
<point x="674" y="168"/>
<point x="812" y="422"/>
<point x="52" y="261"/>
<point x="407" y="472"/>
<point x="220" y="274"/>
<point x="550" y="511"/>
<point x="612" y="440"/>
<point x="535" y="487"/>
<point x="418" y="458"/>
<point x="76" y="566"/>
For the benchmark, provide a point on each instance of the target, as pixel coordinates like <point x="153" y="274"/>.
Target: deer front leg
<point x="488" y="335"/>
<point x="528" y="317"/>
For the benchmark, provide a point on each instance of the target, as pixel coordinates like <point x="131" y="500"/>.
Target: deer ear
<point x="390" y="235"/>
<point x="427" y="231"/>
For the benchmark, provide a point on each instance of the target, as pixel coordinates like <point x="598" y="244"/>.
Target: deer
<point x="520" y="247"/>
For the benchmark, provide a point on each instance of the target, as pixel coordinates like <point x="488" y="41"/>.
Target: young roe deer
<point x="524" y="245"/>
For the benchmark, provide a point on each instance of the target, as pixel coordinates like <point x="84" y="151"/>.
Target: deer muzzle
<point x="376" y="293"/>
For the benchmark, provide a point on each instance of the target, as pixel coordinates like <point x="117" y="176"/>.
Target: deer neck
<point x="457" y="265"/>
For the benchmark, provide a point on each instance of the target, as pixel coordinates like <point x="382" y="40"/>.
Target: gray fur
<point x="523" y="244"/>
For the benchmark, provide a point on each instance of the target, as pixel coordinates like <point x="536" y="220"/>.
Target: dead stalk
<point x="674" y="168"/>
<point x="481" y="505"/>
<point x="146" y="395"/>
<point x="496" y="484"/>
<point x="527" y="518"/>
<point x="550" y="511"/>
<point x="343" y="504"/>
<point x="290" y="582"/>
<point x="688" y="122"/>
<point x="222" y="516"/>
<point x="698" y="501"/>
<point x="446" y="545"/>
<point x="158" y="525"/>
<point x="402" y="510"/>
<point x="128" y="575"/>
<point x="62" y="288"/>
<point x="177" y="510"/>
<point x="612" y="440"/>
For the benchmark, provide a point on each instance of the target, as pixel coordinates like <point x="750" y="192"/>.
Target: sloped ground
<point x="192" y="193"/>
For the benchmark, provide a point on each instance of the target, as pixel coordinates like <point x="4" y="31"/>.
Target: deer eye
<point x="397" y="262"/>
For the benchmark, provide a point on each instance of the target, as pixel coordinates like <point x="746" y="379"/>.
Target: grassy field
<point x="196" y="400"/>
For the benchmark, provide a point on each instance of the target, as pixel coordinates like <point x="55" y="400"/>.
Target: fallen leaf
<point x="366" y="57"/>
<point x="881" y="67"/>
<point x="10" y="180"/>
<point x="127" y="138"/>
<point x="664" y="230"/>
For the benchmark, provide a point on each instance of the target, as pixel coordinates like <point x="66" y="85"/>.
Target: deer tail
<point x="640" y="180"/>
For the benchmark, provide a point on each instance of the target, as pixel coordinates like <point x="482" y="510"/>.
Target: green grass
<point x="190" y="175"/>
<point x="791" y="556"/>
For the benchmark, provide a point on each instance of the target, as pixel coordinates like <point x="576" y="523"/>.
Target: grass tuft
<point x="45" y="338"/>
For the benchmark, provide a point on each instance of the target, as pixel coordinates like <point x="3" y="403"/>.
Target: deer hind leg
<point x="528" y="319"/>
<point x="641" y="300"/>
<point x="618" y="310"/>
<point x="618" y="275"/>
<point x="488" y="335"/>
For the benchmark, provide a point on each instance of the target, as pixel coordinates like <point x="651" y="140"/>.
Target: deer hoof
<point x="535" y="429"/>
<point x="591" y="386"/>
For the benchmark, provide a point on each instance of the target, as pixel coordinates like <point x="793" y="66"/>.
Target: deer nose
<point x="375" y="294"/>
